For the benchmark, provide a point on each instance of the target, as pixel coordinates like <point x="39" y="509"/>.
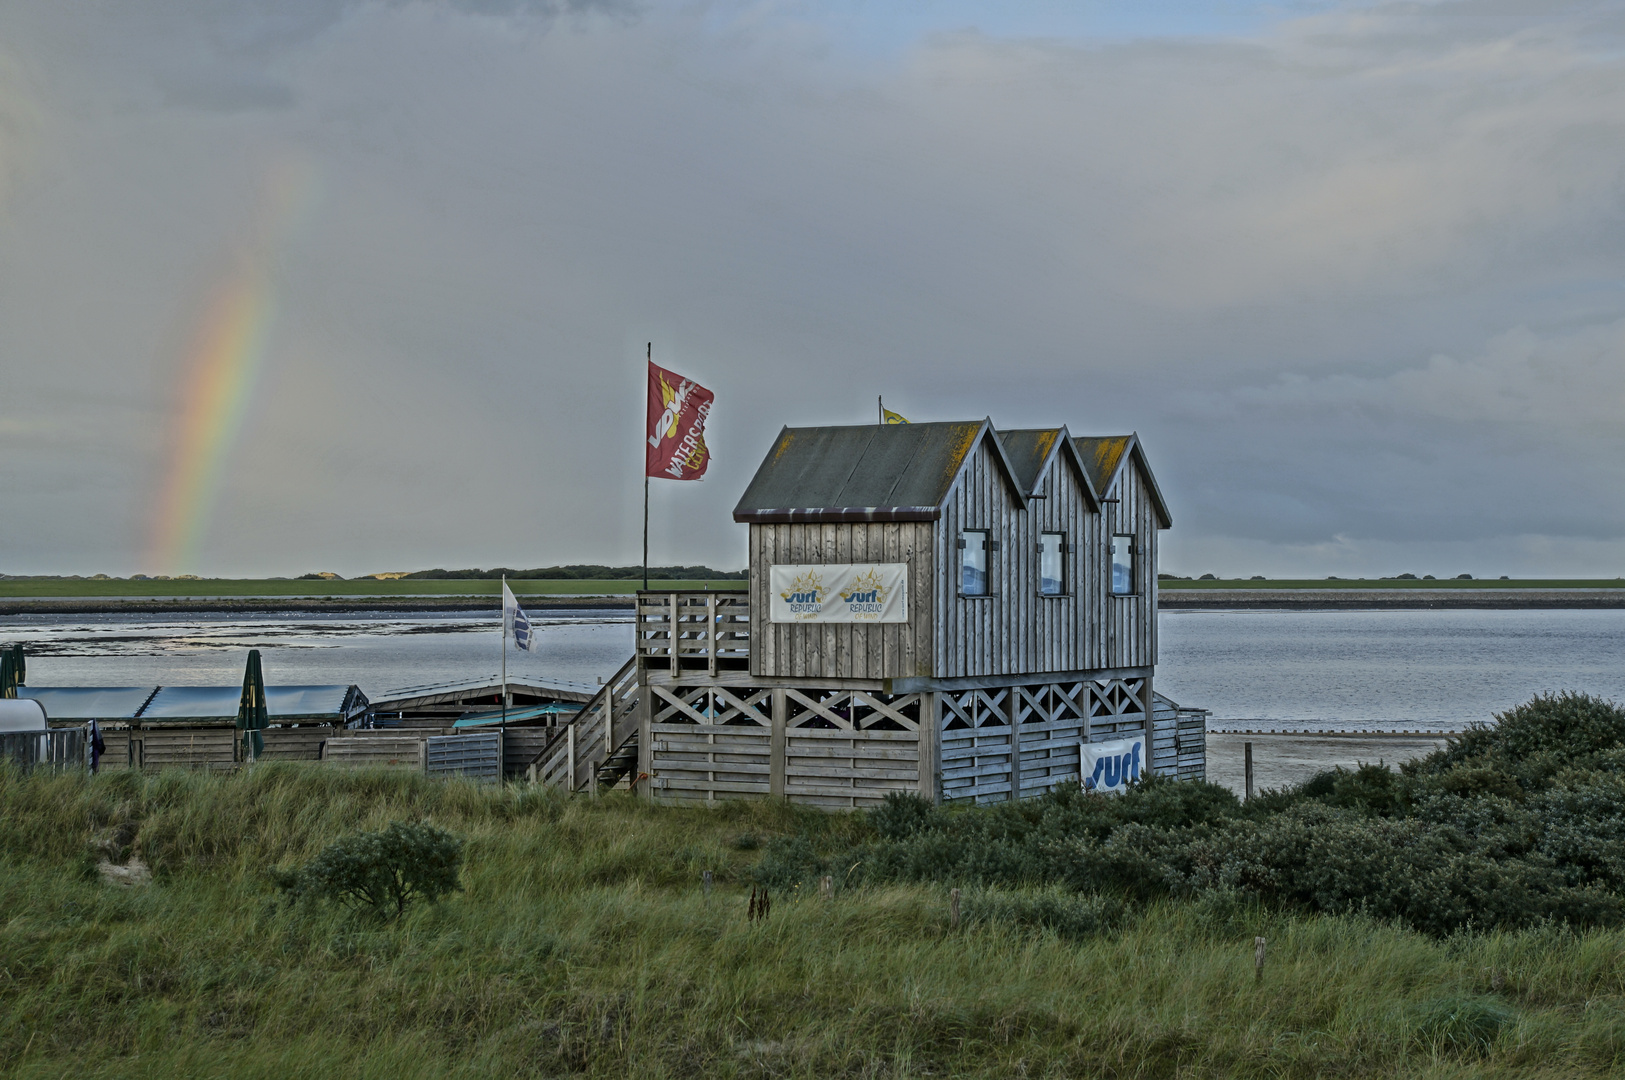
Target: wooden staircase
<point x="599" y="747"/>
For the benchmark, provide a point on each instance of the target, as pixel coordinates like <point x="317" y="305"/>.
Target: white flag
<point x="516" y="622"/>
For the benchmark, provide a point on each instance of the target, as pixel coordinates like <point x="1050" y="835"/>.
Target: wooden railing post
<point x="711" y="631"/>
<point x="676" y="633"/>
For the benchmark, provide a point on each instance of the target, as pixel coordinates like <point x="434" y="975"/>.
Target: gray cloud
<point x="1357" y="281"/>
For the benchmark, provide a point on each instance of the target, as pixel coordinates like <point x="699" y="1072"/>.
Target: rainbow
<point x="218" y="376"/>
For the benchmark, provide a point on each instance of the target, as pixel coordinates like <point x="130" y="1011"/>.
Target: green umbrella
<point x="11" y="670"/>
<point x="252" y="715"/>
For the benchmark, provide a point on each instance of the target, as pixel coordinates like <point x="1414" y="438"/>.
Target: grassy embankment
<point x="583" y="944"/>
<point x="14" y="588"/>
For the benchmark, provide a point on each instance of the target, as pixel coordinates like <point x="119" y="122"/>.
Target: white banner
<point x="865" y="592"/>
<point x="1112" y="766"/>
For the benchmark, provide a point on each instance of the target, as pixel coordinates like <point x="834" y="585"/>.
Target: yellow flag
<point x="891" y="417"/>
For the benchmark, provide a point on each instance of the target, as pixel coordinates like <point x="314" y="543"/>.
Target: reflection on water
<point x="1425" y="670"/>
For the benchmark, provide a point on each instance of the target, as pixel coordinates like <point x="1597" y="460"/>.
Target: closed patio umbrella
<point x="252" y="715"/>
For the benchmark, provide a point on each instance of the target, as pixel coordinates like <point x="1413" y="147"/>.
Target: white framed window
<point x="1122" y="565"/>
<point x="973" y="550"/>
<point x="1052" y="564"/>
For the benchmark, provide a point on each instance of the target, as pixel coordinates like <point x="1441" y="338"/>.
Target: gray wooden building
<point x="942" y="608"/>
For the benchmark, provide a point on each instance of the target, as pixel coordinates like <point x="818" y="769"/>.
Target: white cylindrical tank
<point x="21" y="714"/>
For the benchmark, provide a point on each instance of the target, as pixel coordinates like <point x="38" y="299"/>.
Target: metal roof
<point x="403" y="697"/>
<point x="515" y="716"/>
<point x="282" y="702"/>
<point x="868" y="472"/>
<point x="90" y="702"/>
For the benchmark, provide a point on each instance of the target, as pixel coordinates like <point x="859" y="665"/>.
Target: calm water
<point x="1410" y="670"/>
<point x="379" y="653"/>
<point x="1421" y="670"/>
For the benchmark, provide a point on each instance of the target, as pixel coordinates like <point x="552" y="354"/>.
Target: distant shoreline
<point x="1368" y="598"/>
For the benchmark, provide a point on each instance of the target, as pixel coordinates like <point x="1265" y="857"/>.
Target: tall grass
<point x="583" y="944"/>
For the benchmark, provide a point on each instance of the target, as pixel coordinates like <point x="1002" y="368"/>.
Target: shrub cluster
<point x="385" y="872"/>
<point x="1512" y="824"/>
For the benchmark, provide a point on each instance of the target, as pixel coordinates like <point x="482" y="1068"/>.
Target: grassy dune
<point x="584" y="945"/>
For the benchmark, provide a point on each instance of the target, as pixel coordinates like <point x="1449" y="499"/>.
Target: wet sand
<point x="1280" y="760"/>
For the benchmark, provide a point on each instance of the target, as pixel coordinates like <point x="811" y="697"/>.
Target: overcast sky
<point x="1356" y="274"/>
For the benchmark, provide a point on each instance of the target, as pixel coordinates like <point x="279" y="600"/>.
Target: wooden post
<point x="929" y="753"/>
<point x="676" y="633"/>
<point x="1247" y="755"/>
<point x="1149" y="704"/>
<point x="1015" y="744"/>
<point x="778" y="743"/>
<point x="1258" y="960"/>
<point x="826" y="887"/>
<point x="953" y="908"/>
<point x="570" y="756"/>
<point x="711" y="632"/>
<point x="705" y="883"/>
<point x="646" y="746"/>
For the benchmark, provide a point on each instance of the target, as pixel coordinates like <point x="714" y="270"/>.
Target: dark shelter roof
<point x="870" y="472"/>
<point x="90" y="702"/>
<point x="333" y="703"/>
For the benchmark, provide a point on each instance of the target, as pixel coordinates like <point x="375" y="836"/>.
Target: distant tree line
<point x="587" y="572"/>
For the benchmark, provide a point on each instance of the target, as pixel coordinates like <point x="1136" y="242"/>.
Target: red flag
<point x="677" y="411"/>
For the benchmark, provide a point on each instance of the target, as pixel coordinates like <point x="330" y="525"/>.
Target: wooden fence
<point x="60" y="749"/>
<point x="709" y="630"/>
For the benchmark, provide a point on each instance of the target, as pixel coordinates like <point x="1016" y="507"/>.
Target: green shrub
<point x="1505" y="829"/>
<point x="384" y="871"/>
<point x="1568" y="727"/>
<point x="1463" y="1023"/>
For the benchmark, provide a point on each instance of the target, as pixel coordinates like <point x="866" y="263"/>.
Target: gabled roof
<point x="1104" y="457"/>
<point x="872" y="472"/>
<point x="1033" y="450"/>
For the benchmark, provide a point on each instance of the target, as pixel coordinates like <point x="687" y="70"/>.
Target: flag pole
<point x="651" y="358"/>
<point x="880" y="402"/>
<point x="504" y="652"/>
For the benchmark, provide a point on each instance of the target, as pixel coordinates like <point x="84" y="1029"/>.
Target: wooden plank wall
<point x="993" y="634"/>
<point x="367" y="751"/>
<point x="1128" y="623"/>
<point x="296" y="743"/>
<point x="1014" y="631"/>
<point x="838" y="650"/>
<point x="187" y="748"/>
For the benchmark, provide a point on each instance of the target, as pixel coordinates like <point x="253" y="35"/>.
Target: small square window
<point x="973" y="548"/>
<point x="1122" y="566"/>
<point x="1051" y="564"/>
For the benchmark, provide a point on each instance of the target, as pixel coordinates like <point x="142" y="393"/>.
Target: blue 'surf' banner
<point x="1113" y="766"/>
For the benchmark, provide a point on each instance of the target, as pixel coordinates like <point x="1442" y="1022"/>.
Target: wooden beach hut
<point x="945" y="609"/>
